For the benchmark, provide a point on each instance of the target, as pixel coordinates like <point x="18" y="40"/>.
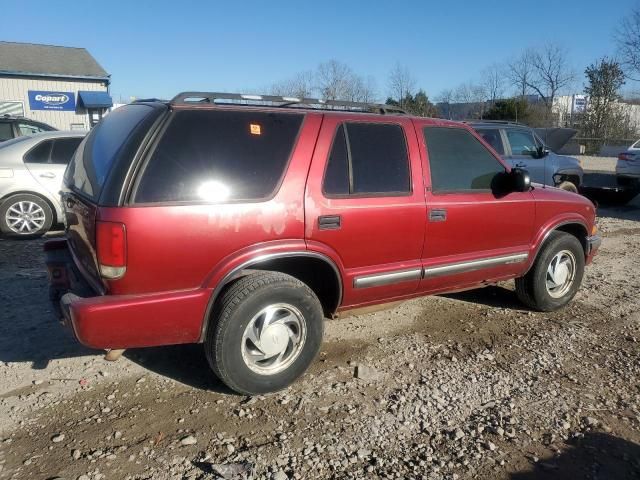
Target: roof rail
<point x="188" y="98"/>
<point x="498" y="122"/>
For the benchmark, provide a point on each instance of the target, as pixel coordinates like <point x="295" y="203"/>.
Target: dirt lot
<point x="470" y="385"/>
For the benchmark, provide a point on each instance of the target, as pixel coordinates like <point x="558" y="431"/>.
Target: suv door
<point x="364" y="204"/>
<point x="522" y="153"/>
<point x="474" y="232"/>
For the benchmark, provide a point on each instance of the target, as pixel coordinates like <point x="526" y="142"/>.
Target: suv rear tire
<point x="36" y="214"/>
<point x="266" y="331"/>
<point x="556" y="275"/>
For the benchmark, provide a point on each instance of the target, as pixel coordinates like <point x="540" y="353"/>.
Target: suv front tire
<point x="556" y="275"/>
<point x="266" y="331"/>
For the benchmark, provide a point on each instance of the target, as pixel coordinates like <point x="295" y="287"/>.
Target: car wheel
<point x="265" y="332"/>
<point x="25" y="216"/>
<point x="568" y="187"/>
<point x="556" y="275"/>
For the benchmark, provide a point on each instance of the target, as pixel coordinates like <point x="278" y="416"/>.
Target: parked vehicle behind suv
<point x="31" y="170"/>
<point x="521" y="147"/>
<point x="243" y="221"/>
<point x="13" y="127"/>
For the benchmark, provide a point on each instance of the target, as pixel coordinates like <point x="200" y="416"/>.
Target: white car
<point x="31" y="171"/>
<point x="628" y="165"/>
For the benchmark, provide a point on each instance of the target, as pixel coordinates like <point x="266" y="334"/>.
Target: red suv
<point x="241" y="222"/>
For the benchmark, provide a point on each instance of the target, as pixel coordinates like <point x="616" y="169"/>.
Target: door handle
<point x="437" y="215"/>
<point x="48" y="175"/>
<point x="329" y="222"/>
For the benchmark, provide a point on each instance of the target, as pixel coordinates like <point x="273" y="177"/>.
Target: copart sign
<point x="42" y="100"/>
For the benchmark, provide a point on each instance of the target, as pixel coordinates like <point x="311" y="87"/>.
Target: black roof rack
<point x="189" y="98"/>
<point x="497" y="122"/>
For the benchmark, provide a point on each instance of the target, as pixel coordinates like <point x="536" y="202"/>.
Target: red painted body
<point x="177" y="256"/>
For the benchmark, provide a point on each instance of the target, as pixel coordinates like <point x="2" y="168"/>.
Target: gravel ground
<point x="470" y="385"/>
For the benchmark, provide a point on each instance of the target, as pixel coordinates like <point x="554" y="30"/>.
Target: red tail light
<point x="625" y="156"/>
<point x="111" y="247"/>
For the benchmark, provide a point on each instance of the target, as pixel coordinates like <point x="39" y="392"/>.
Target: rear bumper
<point x="122" y="321"/>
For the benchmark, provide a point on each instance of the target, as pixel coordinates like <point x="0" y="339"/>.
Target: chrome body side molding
<point x="463" y="267"/>
<point x="367" y="281"/>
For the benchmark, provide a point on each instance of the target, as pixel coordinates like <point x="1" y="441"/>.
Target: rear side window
<point x="40" y="153"/>
<point x="458" y="161"/>
<point x="63" y="150"/>
<point x="92" y="161"/>
<point x="6" y="131"/>
<point x="368" y="159"/>
<point x="492" y="137"/>
<point x="219" y="156"/>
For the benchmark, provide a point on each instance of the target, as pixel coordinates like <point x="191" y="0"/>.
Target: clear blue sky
<point x="159" y="48"/>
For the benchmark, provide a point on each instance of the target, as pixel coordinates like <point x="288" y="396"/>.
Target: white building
<point x="62" y="86"/>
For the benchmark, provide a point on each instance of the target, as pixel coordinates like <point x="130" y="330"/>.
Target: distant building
<point x="62" y="86"/>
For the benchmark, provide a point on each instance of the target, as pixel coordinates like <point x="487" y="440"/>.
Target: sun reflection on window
<point x="214" y="191"/>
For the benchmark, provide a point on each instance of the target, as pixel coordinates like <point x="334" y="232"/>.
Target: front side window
<point x="522" y="142"/>
<point x="40" y="153"/>
<point x="458" y="161"/>
<point x="63" y="150"/>
<point x="368" y="159"/>
<point x="492" y="137"/>
<point x="218" y="156"/>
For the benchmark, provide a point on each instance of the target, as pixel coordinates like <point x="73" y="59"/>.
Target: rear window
<point x="92" y="161"/>
<point x="219" y="156"/>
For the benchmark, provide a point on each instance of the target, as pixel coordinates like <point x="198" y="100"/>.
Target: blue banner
<point x="42" y="100"/>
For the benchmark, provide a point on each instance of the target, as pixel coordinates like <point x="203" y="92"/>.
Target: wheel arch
<point x="575" y="227"/>
<point x="316" y="270"/>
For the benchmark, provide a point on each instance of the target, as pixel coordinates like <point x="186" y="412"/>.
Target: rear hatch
<point x="97" y="177"/>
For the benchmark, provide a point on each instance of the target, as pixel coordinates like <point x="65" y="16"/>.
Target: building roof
<point x="48" y="60"/>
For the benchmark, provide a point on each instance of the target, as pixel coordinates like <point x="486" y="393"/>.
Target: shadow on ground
<point x="491" y="296"/>
<point x="186" y="364"/>
<point x="29" y="329"/>
<point x="595" y="456"/>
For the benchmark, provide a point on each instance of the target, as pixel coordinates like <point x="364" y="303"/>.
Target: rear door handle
<point x="329" y="222"/>
<point x="48" y="175"/>
<point x="437" y="215"/>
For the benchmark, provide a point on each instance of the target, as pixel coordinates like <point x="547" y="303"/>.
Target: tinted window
<point x="6" y="131"/>
<point x="458" y="161"/>
<point x="522" y="142"/>
<point x="40" y="153"/>
<point x="216" y="156"/>
<point x="91" y="163"/>
<point x="375" y="161"/>
<point x="336" y="178"/>
<point x="492" y="137"/>
<point x="63" y="150"/>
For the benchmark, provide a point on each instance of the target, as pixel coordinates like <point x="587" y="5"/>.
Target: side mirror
<point x="541" y="152"/>
<point x="520" y="180"/>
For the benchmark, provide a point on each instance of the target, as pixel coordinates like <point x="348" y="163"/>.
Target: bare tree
<point x="445" y="98"/>
<point x="493" y="81"/>
<point x="334" y="80"/>
<point x="361" y="90"/>
<point x="299" y="86"/>
<point x="520" y="72"/>
<point x="628" y="41"/>
<point x="401" y="83"/>
<point x="551" y="72"/>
